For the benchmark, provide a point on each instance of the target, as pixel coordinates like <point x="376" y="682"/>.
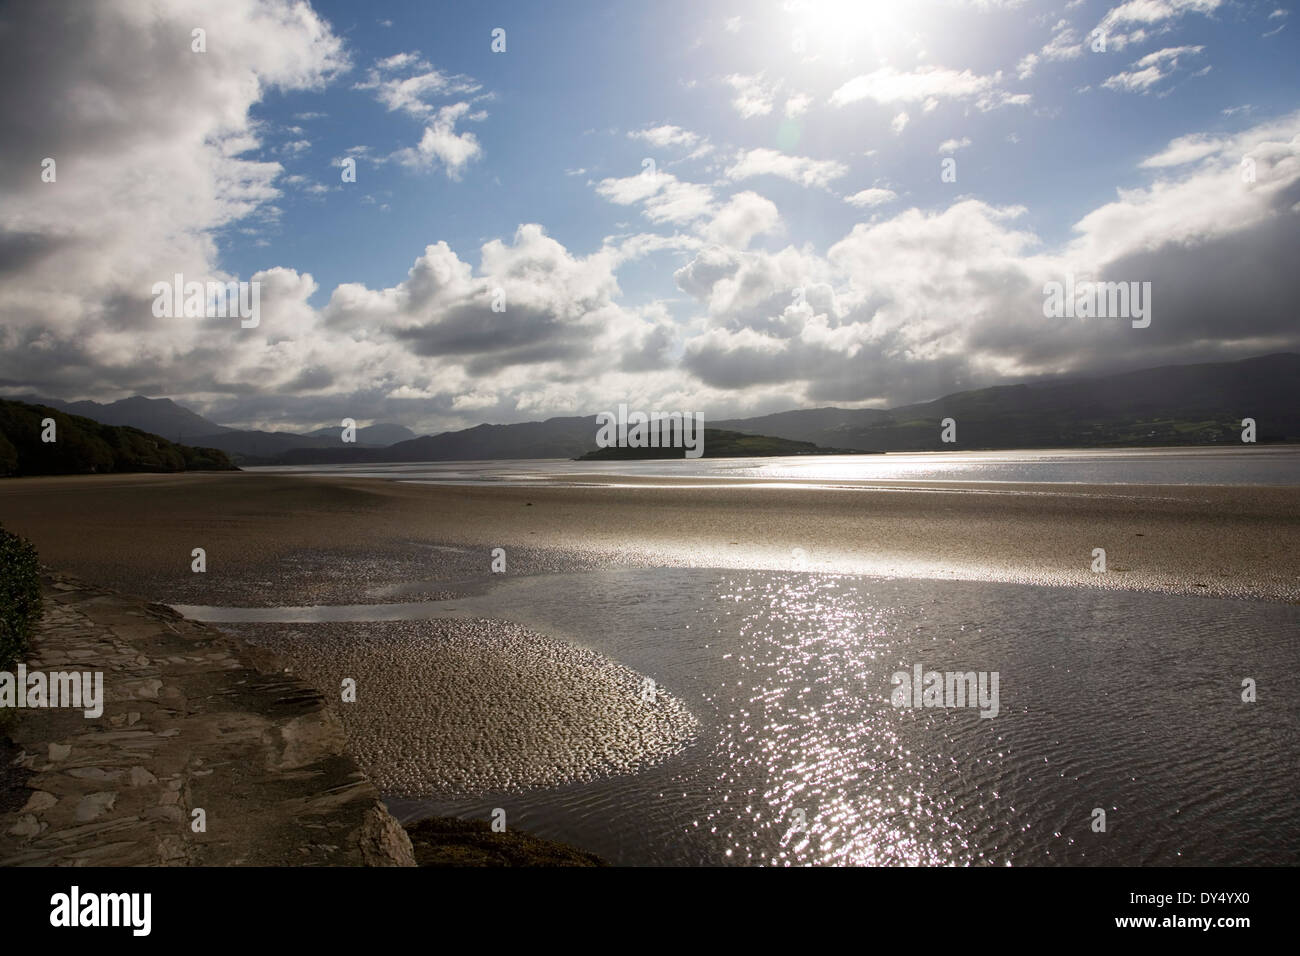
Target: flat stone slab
<point x="193" y="720"/>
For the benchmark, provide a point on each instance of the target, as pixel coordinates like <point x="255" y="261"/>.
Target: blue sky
<point x="796" y="146"/>
<point x="577" y="77"/>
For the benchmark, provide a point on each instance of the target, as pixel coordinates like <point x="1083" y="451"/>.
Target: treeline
<point x="83" y="446"/>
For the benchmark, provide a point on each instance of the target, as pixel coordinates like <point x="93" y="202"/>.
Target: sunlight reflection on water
<point x="1120" y="700"/>
<point x="789" y="674"/>
<point x="1263" y="465"/>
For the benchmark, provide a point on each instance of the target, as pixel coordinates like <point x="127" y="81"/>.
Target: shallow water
<point x="1128" y="702"/>
<point x="1244" y="465"/>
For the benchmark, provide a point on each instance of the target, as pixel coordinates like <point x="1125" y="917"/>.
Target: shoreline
<point x="207" y="752"/>
<point x="199" y="719"/>
<point x="281" y="539"/>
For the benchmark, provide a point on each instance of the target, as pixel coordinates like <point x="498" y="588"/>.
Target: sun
<point x="852" y="29"/>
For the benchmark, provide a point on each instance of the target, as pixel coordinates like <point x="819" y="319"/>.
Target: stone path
<point x="193" y="719"/>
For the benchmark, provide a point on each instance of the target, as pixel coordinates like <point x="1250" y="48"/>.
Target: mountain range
<point x="1170" y="405"/>
<point x="162" y="416"/>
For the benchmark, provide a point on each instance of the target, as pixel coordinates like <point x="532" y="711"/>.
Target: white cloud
<point x="441" y="144"/>
<point x="816" y="173"/>
<point x="410" y="94"/>
<point x="1185" y="149"/>
<point x="1151" y="69"/>
<point x="888" y="85"/>
<point x="746" y="215"/>
<point x="1209" y="200"/>
<point x="1155" y="11"/>
<point x="662" y="196"/>
<point x="294" y="148"/>
<point x="666" y="136"/>
<point x="1064" y="44"/>
<point x="1158" y="14"/>
<point x="869" y="198"/>
<point x="797" y="104"/>
<point x="754" y="95"/>
<point x="116" y="88"/>
<point x="899" y="122"/>
<point x="952" y="145"/>
<point x="958" y="291"/>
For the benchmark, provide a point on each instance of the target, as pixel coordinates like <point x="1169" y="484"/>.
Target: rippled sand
<point x="458" y="707"/>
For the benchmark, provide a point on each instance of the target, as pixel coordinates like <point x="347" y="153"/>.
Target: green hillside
<point x="83" y="446"/>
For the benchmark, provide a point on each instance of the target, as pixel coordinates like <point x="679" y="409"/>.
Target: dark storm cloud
<point x="651" y="353"/>
<point x="21" y="250"/>
<point x="472" y="328"/>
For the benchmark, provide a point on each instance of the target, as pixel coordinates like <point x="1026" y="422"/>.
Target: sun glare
<point x="851" y="29"/>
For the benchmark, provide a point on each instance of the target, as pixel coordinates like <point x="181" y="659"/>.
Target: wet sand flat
<point x="465" y="706"/>
<point x="291" y="539"/>
<point x="470" y="706"/>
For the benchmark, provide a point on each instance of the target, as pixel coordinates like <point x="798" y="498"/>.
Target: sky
<point x="731" y="208"/>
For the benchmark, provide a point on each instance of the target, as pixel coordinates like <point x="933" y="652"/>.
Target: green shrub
<point x="8" y="456"/>
<point x="20" y="596"/>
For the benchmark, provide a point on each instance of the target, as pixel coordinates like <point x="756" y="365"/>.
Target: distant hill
<point x="380" y="434"/>
<point x="255" y="447"/>
<point x="162" y="416"/>
<point x="1172" y="405"/>
<point x="718" y="444"/>
<point x="158" y="416"/>
<point x="83" y="446"/>
<point x="553" y="438"/>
